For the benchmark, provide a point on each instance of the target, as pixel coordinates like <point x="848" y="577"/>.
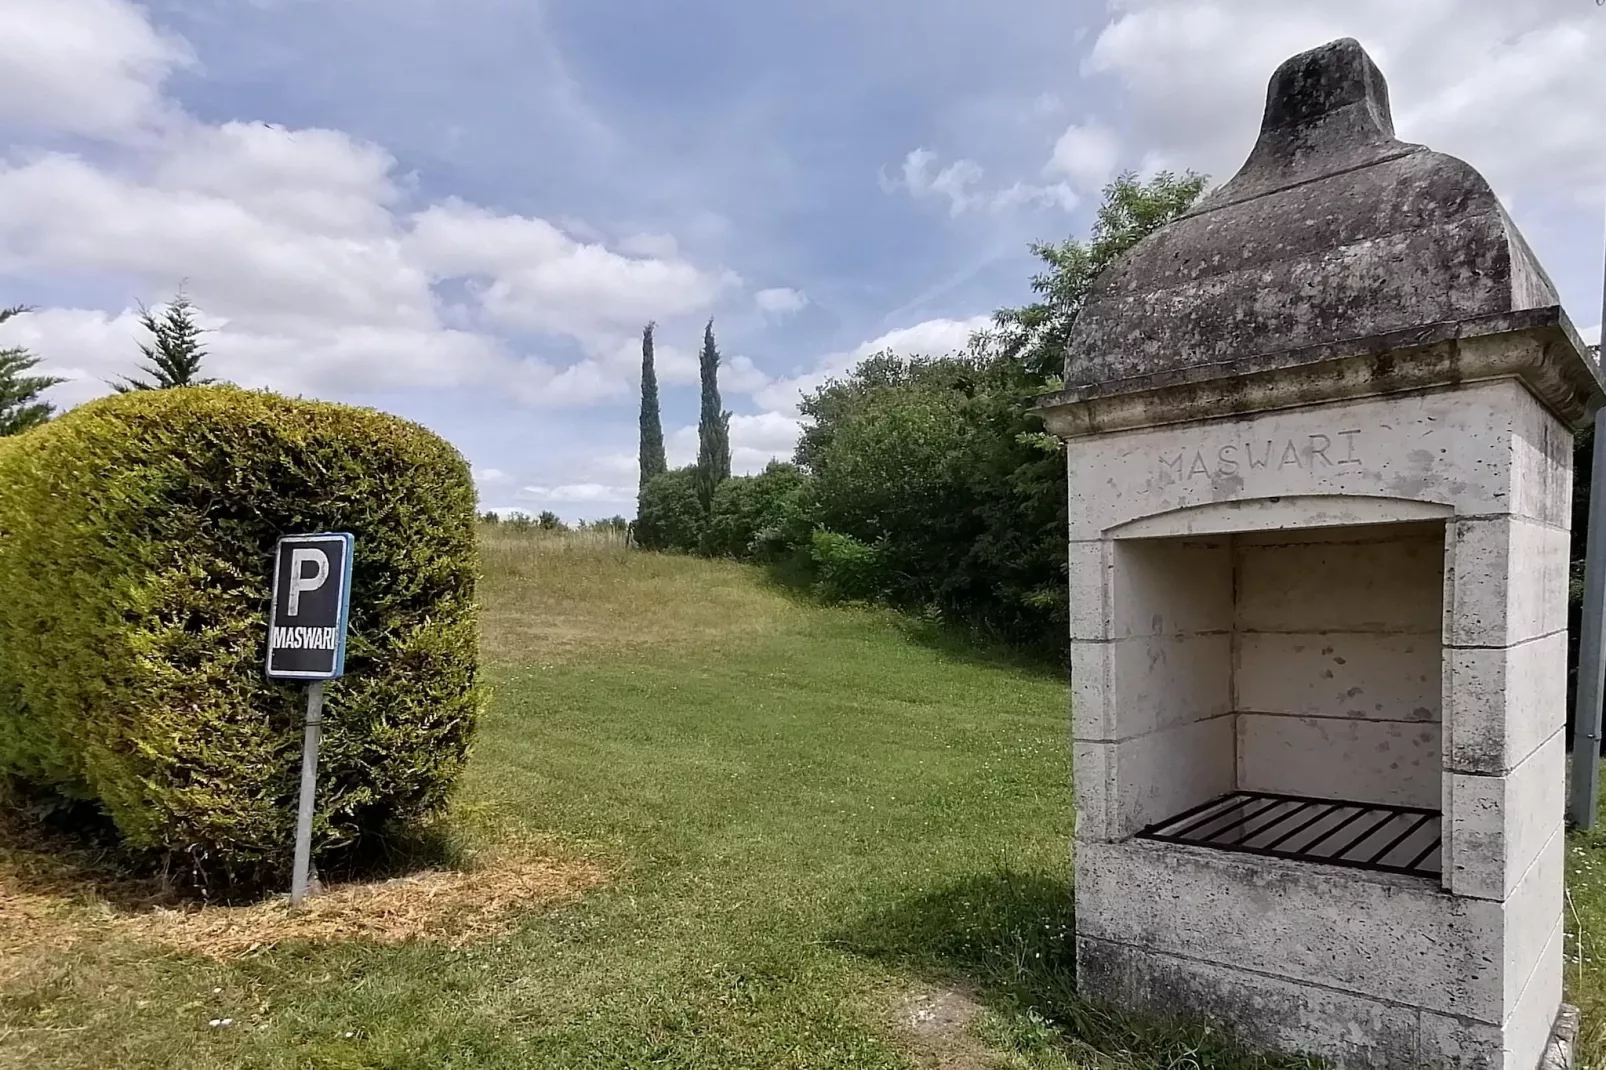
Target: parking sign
<point x="311" y="599"/>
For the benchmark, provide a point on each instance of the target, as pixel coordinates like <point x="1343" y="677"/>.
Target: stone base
<point x="1559" y="1049"/>
<point x="1267" y="1013"/>
<point x="1349" y="1032"/>
<point x="1366" y="970"/>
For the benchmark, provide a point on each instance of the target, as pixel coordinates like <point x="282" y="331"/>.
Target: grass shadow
<point x="1007" y="938"/>
<point x="793" y="579"/>
<point x="69" y="849"/>
<point x="974" y="647"/>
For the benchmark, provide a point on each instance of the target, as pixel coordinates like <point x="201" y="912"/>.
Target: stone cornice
<point x="1538" y="346"/>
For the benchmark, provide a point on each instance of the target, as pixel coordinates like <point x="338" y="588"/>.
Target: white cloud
<point x="60" y="214"/>
<point x="1086" y="154"/>
<point x="662" y="246"/>
<point x="755" y="442"/>
<point x="314" y="179"/>
<point x="303" y="248"/>
<point x="961" y="184"/>
<point x="76" y="343"/>
<point x="91" y="67"/>
<point x="579" y="493"/>
<point x="933" y="338"/>
<point x="953" y="181"/>
<point x="780" y="300"/>
<point x="91" y="346"/>
<point x="1591" y="335"/>
<point x="604" y="480"/>
<point x="739" y="375"/>
<point x="671" y="363"/>
<point x="1512" y="88"/>
<point x="540" y="278"/>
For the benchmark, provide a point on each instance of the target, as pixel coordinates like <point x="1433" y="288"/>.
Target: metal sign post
<point x="1584" y="799"/>
<point x="307" y="641"/>
<point x="1585" y="795"/>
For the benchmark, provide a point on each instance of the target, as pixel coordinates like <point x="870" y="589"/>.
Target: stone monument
<point x="1319" y="435"/>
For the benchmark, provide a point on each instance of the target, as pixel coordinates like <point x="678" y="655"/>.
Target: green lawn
<point x="812" y="816"/>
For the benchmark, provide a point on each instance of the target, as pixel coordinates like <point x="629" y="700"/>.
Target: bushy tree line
<point x="929" y="483"/>
<point x="548" y="521"/>
<point x="673" y="506"/>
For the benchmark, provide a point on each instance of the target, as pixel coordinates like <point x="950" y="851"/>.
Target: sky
<point x="463" y="212"/>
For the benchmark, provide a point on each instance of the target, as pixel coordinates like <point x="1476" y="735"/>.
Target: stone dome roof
<point x="1332" y="230"/>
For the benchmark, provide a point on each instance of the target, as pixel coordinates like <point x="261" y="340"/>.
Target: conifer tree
<point x="175" y="350"/>
<point x="650" y="458"/>
<point x="713" y="425"/>
<point x="20" y="407"/>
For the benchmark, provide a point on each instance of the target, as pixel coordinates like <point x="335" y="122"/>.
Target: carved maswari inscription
<point x="1311" y="452"/>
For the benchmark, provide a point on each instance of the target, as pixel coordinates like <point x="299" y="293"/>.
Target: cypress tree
<point x="650" y="458"/>
<point x="713" y="425"/>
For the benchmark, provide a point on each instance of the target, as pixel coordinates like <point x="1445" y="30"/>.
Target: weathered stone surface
<point x="1538" y="348"/>
<point x="1267" y="1012"/>
<point x="1319" y="450"/>
<point x="1505" y="702"/>
<point x="1383" y="580"/>
<point x="1158" y="682"/>
<point x="1333" y="229"/>
<point x="1360" y="675"/>
<point x="1506" y="581"/>
<point x="1563" y="1034"/>
<point x="1123" y="787"/>
<point x="1370" y="935"/>
<point x="1497" y="826"/>
<point x="1350" y="1032"/>
<point x="1532" y="1027"/>
<point x="1355" y="759"/>
<point x="1385" y="448"/>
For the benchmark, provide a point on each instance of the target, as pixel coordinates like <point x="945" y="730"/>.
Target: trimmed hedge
<point x="136" y="539"/>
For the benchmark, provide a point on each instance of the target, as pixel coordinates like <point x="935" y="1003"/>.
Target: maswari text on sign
<point x="306" y="638"/>
<point x="1311" y="453"/>
<point x="311" y="600"/>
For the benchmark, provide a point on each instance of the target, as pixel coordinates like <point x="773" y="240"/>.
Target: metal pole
<point x="1585" y="798"/>
<point x="309" y="793"/>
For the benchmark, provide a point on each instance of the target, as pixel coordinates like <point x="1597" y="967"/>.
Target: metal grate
<point x="1389" y="839"/>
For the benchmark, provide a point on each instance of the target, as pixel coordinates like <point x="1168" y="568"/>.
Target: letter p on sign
<point x="311" y="596"/>
<point x="300" y="580"/>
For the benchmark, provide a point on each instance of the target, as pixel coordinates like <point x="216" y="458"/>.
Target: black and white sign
<point x="311" y="598"/>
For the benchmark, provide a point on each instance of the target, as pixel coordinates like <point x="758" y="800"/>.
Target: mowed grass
<point x="810" y="818"/>
<point x="808" y="814"/>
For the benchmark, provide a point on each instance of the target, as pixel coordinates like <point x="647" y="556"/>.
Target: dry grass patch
<point x="440" y="906"/>
<point x="937" y="1026"/>
<point x="47" y="906"/>
<point x="549" y="597"/>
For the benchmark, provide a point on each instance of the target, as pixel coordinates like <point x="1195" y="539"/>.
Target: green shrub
<point x="136" y="540"/>
<point x="669" y="514"/>
<point x="943" y="466"/>
<point x="847" y="569"/>
<point x="616" y="525"/>
<point x="761" y="517"/>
